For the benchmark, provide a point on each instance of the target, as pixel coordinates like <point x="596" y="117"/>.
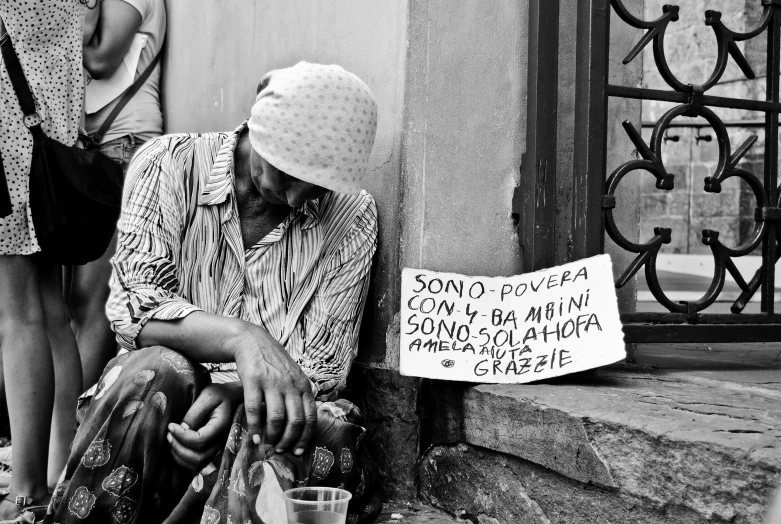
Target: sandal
<point x="24" y="504"/>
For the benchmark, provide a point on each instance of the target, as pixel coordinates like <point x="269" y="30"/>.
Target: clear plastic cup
<point x="317" y="505"/>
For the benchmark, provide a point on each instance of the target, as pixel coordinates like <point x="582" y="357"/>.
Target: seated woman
<point x="249" y="254"/>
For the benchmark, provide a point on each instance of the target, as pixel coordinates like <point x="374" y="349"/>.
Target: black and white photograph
<point x="390" y="261"/>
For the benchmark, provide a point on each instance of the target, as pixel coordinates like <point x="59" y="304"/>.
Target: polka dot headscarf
<point x="315" y="123"/>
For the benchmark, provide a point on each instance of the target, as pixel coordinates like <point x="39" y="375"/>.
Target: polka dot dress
<point x="316" y="123"/>
<point x="47" y="38"/>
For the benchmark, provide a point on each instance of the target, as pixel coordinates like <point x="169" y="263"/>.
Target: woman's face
<point x="277" y="187"/>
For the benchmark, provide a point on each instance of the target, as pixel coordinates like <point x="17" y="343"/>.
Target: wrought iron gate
<point x="568" y="60"/>
<point x="686" y="320"/>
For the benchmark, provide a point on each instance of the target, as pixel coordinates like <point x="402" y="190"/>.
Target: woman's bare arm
<point x="268" y="374"/>
<point x="90" y="22"/>
<point x="118" y="23"/>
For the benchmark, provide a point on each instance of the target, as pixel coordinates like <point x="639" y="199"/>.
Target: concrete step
<point x="697" y="443"/>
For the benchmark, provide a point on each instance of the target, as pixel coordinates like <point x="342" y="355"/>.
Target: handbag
<point x="75" y="194"/>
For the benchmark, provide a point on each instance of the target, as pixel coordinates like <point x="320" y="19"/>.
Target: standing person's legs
<point x="29" y="377"/>
<point x="88" y="294"/>
<point x="89" y="291"/>
<point x="67" y="365"/>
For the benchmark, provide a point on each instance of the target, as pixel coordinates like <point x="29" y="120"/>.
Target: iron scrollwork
<point x="695" y="104"/>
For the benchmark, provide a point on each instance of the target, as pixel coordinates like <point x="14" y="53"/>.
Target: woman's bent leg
<point x="29" y="375"/>
<point x="120" y="467"/>
<point x="67" y="366"/>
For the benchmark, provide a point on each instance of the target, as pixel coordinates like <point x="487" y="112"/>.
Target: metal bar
<point x="590" y="140"/>
<point x="771" y="159"/>
<point x="702" y="319"/>
<point x="535" y="201"/>
<point x="683" y="98"/>
<point x="680" y="333"/>
<point x="702" y="123"/>
<point x="752" y="286"/>
<point x="567" y="107"/>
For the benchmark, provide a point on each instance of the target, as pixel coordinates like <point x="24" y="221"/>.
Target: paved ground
<point x="687" y="287"/>
<point x="395" y="512"/>
<point x="746" y="364"/>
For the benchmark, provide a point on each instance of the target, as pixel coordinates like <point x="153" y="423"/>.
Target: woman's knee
<point x="57" y="315"/>
<point x="55" y="309"/>
<point x="171" y="371"/>
<point x="143" y="379"/>
<point x="89" y="292"/>
<point x="153" y="355"/>
<point x="86" y="306"/>
<point x="24" y="318"/>
<point x="21" y="306"/>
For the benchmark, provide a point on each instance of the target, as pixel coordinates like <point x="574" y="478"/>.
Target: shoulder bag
<point x="75" y="194"/>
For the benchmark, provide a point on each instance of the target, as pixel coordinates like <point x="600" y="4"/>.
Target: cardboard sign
<point x="510" y="329"/>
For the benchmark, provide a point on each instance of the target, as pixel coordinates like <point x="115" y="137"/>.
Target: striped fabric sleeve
<point x="332" y="321"/>
<point x="144" y="282"/>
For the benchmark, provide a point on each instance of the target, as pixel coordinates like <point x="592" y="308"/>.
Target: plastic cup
<point x="317" y="505"/>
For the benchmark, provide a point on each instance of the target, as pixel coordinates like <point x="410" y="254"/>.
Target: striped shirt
<point x="180" y="250"/>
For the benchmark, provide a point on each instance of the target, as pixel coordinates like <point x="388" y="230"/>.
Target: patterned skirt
<point x="121" y="468"/>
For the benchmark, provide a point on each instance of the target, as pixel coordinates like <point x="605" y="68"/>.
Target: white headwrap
<point x="316" y="123"/>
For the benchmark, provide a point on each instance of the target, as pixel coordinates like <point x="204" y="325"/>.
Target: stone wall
<point x="464" y="132"/>
<point x="687" y="209"/>
<point x="691" y="154"/>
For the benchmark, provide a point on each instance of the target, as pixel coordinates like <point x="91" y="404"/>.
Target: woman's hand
<point x="205" y="427"/>
<point x="270" y="375"/>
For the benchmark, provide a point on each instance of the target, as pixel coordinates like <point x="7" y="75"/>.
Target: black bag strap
<point x="126" y="96"/>
<point x="5" y="196"/>
<point x="26" y="102"/>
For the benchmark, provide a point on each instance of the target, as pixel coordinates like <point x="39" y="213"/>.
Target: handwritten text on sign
<point x="510" y="330"/>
